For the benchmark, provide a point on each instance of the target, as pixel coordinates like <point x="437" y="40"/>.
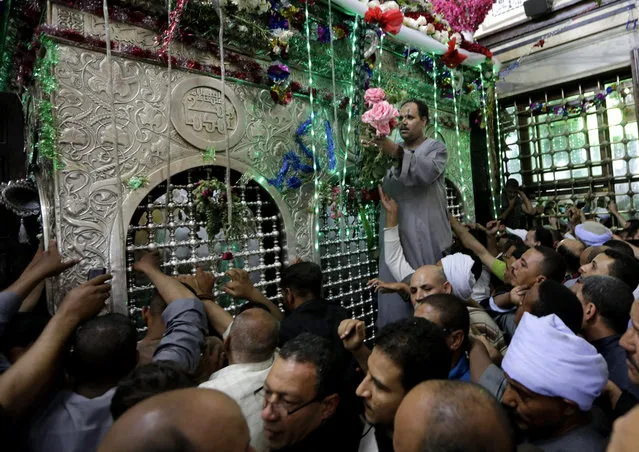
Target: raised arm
<point x="44" y="264"/>
<point x="184" y="316"/>
<point x="352" y="332"/>
<point x="241" y="286"/>
<point x="472" y="243"/>
<point x="29" y="378"/>
<point x="393" y="251"/>
<point x="526" y="205"/>
<point x="203" y="283"/>
<point x="612" y="207"/>
<point x="506" y="213"/>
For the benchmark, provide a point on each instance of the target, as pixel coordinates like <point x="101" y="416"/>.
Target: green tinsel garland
<point x="43" y="72"/>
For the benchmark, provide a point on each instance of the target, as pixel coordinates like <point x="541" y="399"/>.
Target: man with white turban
<point x="593" y="233"/>
<point x="554" y="376"/>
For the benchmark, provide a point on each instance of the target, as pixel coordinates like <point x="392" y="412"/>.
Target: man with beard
<point x="417" y="184"/>
<point x="554" y="376"/>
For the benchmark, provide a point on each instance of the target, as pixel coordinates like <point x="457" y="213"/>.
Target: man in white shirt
<point x="250" y="347"/>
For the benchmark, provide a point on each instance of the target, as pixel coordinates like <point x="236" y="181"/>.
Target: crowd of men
<point x="504" y="339"/>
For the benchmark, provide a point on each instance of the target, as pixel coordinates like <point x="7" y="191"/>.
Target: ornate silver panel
<point x="91" y="219"/>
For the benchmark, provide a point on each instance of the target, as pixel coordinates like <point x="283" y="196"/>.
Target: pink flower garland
<point x="463" y="15"/>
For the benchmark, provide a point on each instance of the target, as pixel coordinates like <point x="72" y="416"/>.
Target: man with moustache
<point x="417" y="184"/>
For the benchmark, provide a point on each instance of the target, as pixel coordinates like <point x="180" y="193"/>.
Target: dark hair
<point x="572" y="260"/>
<point x="555" y="298"/>
<point x="313" y="349"/>
<point x="418" y="347"/>
<point x="553" y="265"/>
<point x="422" y="108"/>
<point x="458" y="417"/>
<point x="620" y="246"/>
<point x="612" y="298"/>
<point x="520" y="249"/>
<point x="512" y="183"/>
<point x="631" y="229"/>
<point x="103" y="348"/>
<point x="146" y="381"/>
<point x="624" y="267"/>
<point x="23" y="330"/>
<point x="304" y="278"/>
<point x="453" y="313"/>
<point x="544" y="237"/>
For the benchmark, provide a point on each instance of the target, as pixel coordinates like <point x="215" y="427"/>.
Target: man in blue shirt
<point x="450" y="313"/>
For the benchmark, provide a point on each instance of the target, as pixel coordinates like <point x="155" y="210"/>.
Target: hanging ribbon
<point x="227" y="179"/>
<point x="389" y="21"/>
<point x="453" y="58"/>
<point x="122" y="229"/>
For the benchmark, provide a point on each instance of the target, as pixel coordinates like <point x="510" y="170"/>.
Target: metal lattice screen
<point x="575" y="144"/>
<point x="349" y="257"/>
<point x="181" y="237"/>
<point x="349" y="260"/>
<point x="454" y="201"/>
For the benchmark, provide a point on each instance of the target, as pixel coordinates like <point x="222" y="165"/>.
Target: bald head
<point x="428" y="280"/>
<point x="253" y="337"/>
<point x="192" y="420"/>
<point x="590" y="253"/>
<point x="441" y="415"/>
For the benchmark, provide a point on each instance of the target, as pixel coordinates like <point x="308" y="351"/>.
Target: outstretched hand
<point x="87" y="300"/>
<point x="391" y="207"/>
<point x="352" y="332"/>
<point x="240" y="285"/>
<point x="149" y="261"/>
<point x="50" y="263"/>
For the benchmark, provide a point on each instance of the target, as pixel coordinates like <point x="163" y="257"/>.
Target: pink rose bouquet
<point x="381" y="117"/>
<point x="374" y="95"/>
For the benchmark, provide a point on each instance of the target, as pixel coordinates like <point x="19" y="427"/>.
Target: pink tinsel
<point x="169" y="33"/>
<point x="463" y="15"/>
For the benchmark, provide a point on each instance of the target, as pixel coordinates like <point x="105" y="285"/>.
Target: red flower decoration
<point x="452" y="58"/>
<point x="540" y="43"/>
<point x="227" y="256"/>
<point x="389" y="21"/>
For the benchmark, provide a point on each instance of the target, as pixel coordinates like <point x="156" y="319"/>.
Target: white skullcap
<point x="458" y="269"/>
<point x="550" y="360"/>
<point x="593" y="233"/>
<point x="521" y="233"/>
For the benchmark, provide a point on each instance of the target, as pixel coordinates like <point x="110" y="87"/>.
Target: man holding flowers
<point x="417" y="183"/>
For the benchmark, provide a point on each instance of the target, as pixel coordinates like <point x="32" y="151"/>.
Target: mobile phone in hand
<point x="95" y="272"/>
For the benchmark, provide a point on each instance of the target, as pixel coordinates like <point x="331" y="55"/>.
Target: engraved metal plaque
<point x="198" y="113"/>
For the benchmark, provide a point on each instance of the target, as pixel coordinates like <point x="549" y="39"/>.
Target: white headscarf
<point x="593" y="233"/>
<point x="458" y="269"/>
<point x="521" y="233"/>
<point x="549" y="359"/>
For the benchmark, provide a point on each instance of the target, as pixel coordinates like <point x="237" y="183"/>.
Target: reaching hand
<point x="49" y="263"/>
<point x="492" y="227"/>
<point x="517" y="295"/>
<point x="297" y="260"/>
<point x="612" y="207"/>
<point x="202" y="282"/>
<point x="240" y="285"/>
<point x="149" y="261"/>
<point x="385" y="287"/>
<point x="392" y="210"/>
<point x="87" y="300"/>
<point x="352" y="333"/>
